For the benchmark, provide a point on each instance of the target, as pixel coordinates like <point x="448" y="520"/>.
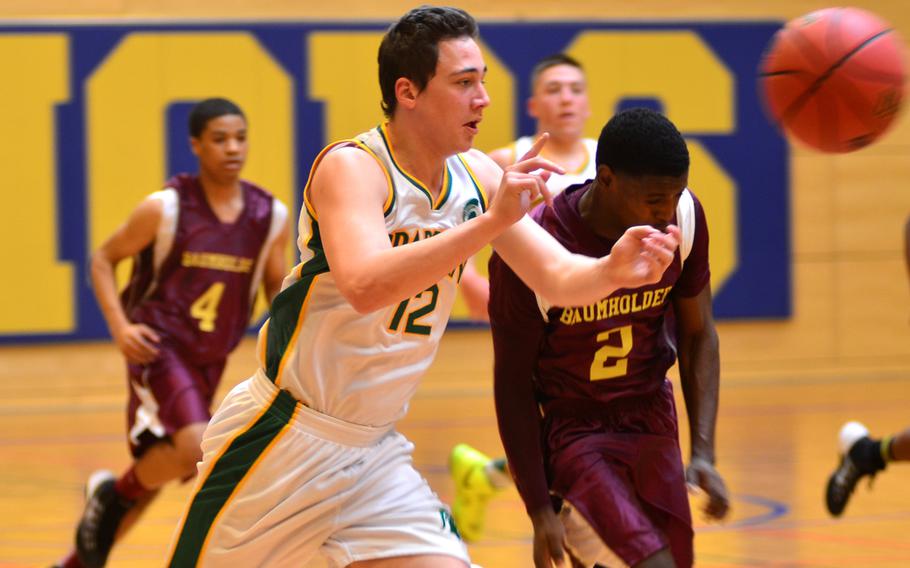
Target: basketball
<point x="834" y="78"/>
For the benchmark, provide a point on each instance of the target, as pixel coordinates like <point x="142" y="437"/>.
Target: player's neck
<point x="416" y="155"/>
<point x="224" y="196"/>
<point x="567" y="151"/>
<point x="219" y="188"/>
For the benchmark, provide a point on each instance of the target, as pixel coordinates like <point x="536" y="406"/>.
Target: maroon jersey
<point x="195" y="284"/>
<point x="579" y="357"/>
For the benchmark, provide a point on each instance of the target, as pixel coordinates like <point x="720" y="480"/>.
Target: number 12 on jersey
<point x="413" y="322"/>
<point x="611" y="361"/>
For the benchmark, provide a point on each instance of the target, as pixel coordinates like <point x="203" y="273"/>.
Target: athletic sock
<point x="496" y="473"/>
<point x="866" y="454"/>
<point x="71" y="561"/>
<point x="887" y="448"/>
<point x="128" y="487"/>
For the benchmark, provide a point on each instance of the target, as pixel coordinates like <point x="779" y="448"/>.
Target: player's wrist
<point x="493" y="222"/>
<point x="608" y="277"/>
<point x="702" y="456"/>
<point x="542" y="514"/>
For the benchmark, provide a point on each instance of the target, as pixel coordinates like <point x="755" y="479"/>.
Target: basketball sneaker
<point x="859" y="456"/>
<point x="473" y="489"/>
<point x="104" y="510"/>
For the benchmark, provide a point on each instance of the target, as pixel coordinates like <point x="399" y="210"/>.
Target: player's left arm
<point x="699" y="371"/>
<point x="275" y="264"/>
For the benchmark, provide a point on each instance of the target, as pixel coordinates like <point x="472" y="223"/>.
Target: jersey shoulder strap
<point x="685" y="216"/>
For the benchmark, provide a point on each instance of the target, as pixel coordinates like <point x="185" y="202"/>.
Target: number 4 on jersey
<point x="205" y="308"/>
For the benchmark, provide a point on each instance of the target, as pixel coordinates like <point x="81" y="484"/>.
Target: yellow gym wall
<point x="850" y="291"/>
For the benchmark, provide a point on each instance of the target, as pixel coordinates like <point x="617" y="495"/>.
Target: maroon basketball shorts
<point x="167" y="395"/>
<point x="620" y="467"/>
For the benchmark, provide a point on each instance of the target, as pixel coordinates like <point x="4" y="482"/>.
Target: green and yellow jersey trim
<point x="446" y="174"/>
<point x="289" y="309"/>
<point x="481" y="194"/>
<point x="390" y="198"/>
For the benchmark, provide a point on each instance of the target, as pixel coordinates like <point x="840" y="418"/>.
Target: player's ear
<point x="532" y="107"/>
<point x="406" y="92"/>
<point x="194" y="145"/>
<point x="605" y="175"/>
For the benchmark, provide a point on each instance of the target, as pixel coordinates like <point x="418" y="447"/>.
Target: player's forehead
<point x="560" y="74"/>
<point x="459" y="55"/>
<point x="653" y="185"/>
<point x="225" y="124"/>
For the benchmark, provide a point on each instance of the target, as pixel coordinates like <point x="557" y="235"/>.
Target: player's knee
<point x="661" y="559"/>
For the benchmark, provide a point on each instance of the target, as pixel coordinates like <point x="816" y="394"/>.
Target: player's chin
<point x="464" y="144"/>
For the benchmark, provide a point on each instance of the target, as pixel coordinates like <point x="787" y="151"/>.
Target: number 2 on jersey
<point x="205" y="308"/>
<point x="611" y="361"/>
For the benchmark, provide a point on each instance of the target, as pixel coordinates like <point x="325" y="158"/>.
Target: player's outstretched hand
<point x="549" y="535"/>
<point x="702" y="473"/>
<point x="138" y="343"/>
<point x="524" y="182"/>
<point x="642" y="254"/>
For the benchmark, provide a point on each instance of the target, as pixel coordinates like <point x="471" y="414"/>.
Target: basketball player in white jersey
<point x="304" y="457"/>
<point x="559" y="103"/>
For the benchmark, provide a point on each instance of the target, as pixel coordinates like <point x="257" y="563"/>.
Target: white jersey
<point x="364" y="368"/>
<point x="558" y="182"/>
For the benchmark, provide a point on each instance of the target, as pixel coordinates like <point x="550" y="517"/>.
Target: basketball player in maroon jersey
<point x="861" y="455"/>
<point x="201" y="247"/>
<point x="585" y="411"/>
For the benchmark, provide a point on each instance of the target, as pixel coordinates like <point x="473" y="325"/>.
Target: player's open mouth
<point x="472" y="126"/>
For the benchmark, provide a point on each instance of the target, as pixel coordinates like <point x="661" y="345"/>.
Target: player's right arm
<point x="136" y="341"/>
<point x="907" y="245"/>
<point x="348" y="193"/>
<point x="518" y="329"/>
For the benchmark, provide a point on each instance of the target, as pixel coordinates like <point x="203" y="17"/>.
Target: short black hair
<point x="206" y="110"/>
<point x="641" y="141"/>
<point x="410" y="47"/>
<point x="553" y="61"/>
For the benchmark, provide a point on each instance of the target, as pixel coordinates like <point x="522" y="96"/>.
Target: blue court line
<point x="776" y="510"/>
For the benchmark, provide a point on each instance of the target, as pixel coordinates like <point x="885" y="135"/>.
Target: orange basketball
<point x="834" y="78"/>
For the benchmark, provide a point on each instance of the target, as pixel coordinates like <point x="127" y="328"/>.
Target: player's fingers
<point x="536" y="163"/>
<point x="536" y="147"/>
<point x="542" y="188"/>
<point x="557" y="554"/>
<point x="657" y="251"/>
<point x="541" y="558"/>
<point x="138" y="356"/>
<point x="641" y="231"/>
<point x="720" y="502"/>
<point x="147" y="350"/>
<point x="149" y="334"/>
<point x="717" y="507"/>
<point x="531" y="183"/>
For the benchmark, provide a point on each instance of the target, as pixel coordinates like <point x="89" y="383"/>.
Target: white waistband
<point x="316" y="423"/>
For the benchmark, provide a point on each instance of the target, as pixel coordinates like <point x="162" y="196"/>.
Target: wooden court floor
<point x="61" y="417"/>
